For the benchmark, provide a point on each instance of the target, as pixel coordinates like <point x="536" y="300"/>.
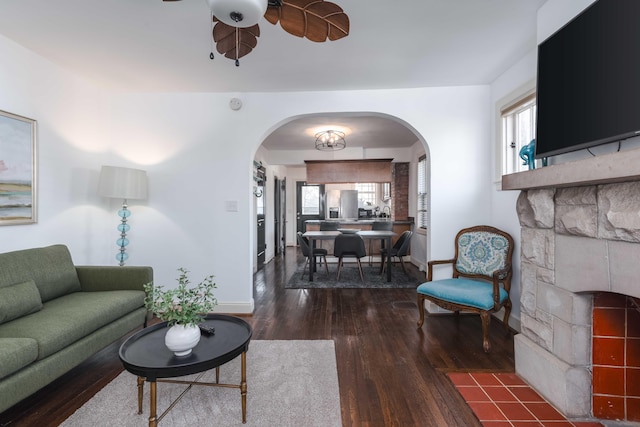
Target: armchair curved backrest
<point x="482" y="251"/>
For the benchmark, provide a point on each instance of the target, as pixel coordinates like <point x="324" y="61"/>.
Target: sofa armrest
<point x="109" y="278"/>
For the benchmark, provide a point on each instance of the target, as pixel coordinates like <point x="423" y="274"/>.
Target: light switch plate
<point x="231" y="206"/>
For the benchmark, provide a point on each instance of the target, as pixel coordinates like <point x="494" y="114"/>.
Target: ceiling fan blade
<point x="317" y="20"/>
<point x="225" y="37"/>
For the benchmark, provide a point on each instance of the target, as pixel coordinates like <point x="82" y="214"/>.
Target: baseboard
<point x="235" y="307"/>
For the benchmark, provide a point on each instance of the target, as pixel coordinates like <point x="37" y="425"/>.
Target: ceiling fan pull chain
<point x="212" y="41"/>
<point x="237" y="42"/>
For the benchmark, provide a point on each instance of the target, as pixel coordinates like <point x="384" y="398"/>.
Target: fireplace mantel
<point x="621" y="166"/>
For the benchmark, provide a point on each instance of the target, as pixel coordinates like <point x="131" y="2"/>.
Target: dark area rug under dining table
<point x="350" y="278"/>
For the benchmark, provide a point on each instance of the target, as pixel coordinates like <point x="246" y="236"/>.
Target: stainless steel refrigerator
<point x="349" y="204"/>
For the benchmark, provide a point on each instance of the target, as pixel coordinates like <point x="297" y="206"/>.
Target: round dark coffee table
<point x="144" y="354"/>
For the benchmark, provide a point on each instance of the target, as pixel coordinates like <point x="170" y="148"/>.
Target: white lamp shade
<point x="122" y="183"/>
<point x="251" y="11"/>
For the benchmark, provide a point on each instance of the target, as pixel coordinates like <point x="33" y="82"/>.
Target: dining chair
<point x="349" y="245"/>
<point x="328" y="226"/>
<point x="379" y="226"/>
<point x="399" y="250"/>
<point x="303" y="242"/>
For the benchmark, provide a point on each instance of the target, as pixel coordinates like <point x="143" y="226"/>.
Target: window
<point x="421" y="216"/>
<point x="311" y="200"/>
<point x="367" y="193"/>
<point x="518" y="129"/>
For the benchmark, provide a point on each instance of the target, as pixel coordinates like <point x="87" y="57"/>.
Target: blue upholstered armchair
<point x="481" y="278"/>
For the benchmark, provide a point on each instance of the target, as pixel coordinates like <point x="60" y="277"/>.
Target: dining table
<point x="313" y="236"/>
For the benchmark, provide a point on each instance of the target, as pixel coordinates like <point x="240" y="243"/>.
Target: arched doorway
<point x="368" y="135"/>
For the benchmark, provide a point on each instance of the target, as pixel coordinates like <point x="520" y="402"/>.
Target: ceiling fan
<point x="236" y="29"/>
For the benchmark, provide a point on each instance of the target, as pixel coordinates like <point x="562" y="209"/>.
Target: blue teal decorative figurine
<point x="527" y="153"/>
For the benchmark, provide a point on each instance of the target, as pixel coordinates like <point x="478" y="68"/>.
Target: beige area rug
<point x="289" y="383"/>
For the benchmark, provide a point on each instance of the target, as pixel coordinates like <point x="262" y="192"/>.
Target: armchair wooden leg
<point x="339" y="268"/>
<point x="507" y="312"/>
<point x="486" y="321"/>
<point x="421" y="310"/>
<point x="326" y="267"/>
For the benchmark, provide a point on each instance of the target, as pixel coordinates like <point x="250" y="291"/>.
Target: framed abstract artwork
<point x="18" y="199"/>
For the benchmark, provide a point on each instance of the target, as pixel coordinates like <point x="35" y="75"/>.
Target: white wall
<point x="198" y="154"/>
<point x="516" y="81"/>
<point x="72" y="143"/>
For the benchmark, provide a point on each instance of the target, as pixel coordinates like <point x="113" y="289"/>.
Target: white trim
<point x="512" y="98"/>
<point x="235" y="307"/>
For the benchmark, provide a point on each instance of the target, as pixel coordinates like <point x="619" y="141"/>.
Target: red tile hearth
<point x="505" y="400"/>
<point x="616" y="357"/>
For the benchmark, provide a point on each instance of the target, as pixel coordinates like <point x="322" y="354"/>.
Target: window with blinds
<point x="518" y="129"/>
<point x="421" y="215"/>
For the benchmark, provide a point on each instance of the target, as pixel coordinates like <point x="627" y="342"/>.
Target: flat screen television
<point x="588" y="83"/>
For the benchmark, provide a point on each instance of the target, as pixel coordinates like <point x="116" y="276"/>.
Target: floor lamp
<point x="126" y="184"/>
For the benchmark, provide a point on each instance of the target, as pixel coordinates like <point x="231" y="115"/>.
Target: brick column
<point x="400" y="191"/>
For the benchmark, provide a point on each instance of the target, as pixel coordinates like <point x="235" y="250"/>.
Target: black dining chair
<point x="349" y="245"/>
<point x="317" y="252"/>
<point x="399" y="250"/>
<point x="379" y="226"/>
<point x="328" y="226"/>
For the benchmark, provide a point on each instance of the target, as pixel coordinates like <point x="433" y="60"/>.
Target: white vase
<point x="181" y="339"/>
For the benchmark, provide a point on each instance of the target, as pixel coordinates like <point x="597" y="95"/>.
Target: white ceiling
<point x="156" y="46"/>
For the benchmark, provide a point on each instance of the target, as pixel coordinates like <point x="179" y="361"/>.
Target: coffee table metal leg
<point x="153" y="420"/>
<point x="243" y="385"/>
<point x="140" y="392"/>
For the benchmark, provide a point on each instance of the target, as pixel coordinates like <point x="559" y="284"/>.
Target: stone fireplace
<point x="580" y="285"/>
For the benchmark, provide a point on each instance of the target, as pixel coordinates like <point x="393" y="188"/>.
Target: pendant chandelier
<point x="330" y="140"/>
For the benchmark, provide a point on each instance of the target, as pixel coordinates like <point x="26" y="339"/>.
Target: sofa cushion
<point x="474" y="293"/>
<point x="64" y="320"/>
<point x="16" y="353"/>
<point x="51" y="268"/>
<point x="19" y="300"/>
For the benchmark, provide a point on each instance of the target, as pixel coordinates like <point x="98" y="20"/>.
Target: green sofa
<point x="54" y="315"/>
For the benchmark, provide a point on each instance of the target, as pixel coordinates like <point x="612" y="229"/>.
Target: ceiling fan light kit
<point x="238" y="13"/>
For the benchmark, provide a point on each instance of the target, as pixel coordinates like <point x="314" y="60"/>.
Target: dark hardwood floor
<point x="390" y="372"/>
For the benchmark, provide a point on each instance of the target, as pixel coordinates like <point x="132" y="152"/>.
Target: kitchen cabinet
<point x="346" y="171"/>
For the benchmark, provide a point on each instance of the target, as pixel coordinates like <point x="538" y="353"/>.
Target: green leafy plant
<point x="182" y="305"/>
